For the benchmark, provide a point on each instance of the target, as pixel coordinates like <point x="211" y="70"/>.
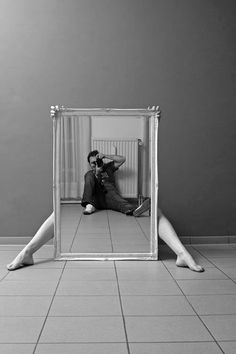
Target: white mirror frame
<point x="154" y="115"/>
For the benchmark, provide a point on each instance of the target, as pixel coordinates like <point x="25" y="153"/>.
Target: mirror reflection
<point x="105" y="184"/>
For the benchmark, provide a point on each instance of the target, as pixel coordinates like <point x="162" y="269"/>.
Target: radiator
<point x="127" y="175"/>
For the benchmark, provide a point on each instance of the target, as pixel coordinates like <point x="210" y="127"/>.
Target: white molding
<point x="154" y="115"/>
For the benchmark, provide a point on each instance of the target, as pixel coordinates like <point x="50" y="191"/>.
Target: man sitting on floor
<point x="100" y="190"/>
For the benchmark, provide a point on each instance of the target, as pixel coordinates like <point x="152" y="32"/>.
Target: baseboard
<point x="186" y="240"/>
<point x="17" y="240"/>
<point x="196" y="240"/>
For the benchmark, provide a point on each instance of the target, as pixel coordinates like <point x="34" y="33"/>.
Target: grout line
<point x="5" y="276"/>
<point x="192" y="341"/>
<point x="215" y="266"/>
<point x="76" y="231"/>
<point x="109" y="227"/>
<point x="140" y="226"/>
<point x="122" y="312"/>
<point x="154" y="342"/>
<point x="118" y="316"/>
<point x="128" y="295"/>
<point x="194" y="310"/>
<point x="49" y="308"/>
<point x="229" y="278"/>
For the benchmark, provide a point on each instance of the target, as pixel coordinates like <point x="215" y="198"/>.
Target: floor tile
<point x="89" y="264"/>
<point x="142" y="287"/>
<point x="186" y="273"/>
<point x="140" y="264"/>
<point x="99" y="247"/>
<point x="124" y="228"/>
<point x="90" y="230"/>
<point x="131" y="248"/>
<point x="228" y="347"/>
<point x="89" y="274"/>
<point x="207" y="287"/>
<point x="133" y="234"/>
<point x="216" y="251"/>
<point x="156" y="306"/>
<point x="224" y="262"/>
<point x="166" y="329"/>
<point x="34" y="274"/>
<point x="140" y="274"/>
<point x="83" y="329"/>
<point x="45" y="252"/>
<point x="17" y="348"/>
<point x="164" y="252"/>
<point x="222" y="327"/>
<point x="213" y="304"/>
<point x="229" y="271"/>
<point x="27" y="287"/>
<point x="85" y="306"/>
<point x="3" y="273"/>
<point x="174" y="348"/>
<point x="48" y="263"/>
<point x="20" y="329"/>
<point x="94" y="287"/>
<point x="85" y="316"/>
<point x="131" y="243"/>
<point x="91" y="238"/>
<point x="24" y="305"/>
<point x="130" y="240"/>
<point x="81" y="348"/>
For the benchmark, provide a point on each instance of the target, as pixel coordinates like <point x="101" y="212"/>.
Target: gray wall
<point x="179" y="54"/>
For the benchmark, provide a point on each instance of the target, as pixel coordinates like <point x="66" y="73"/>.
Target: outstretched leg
<point x="42" y="236"/>
<point x="169" y="236"/>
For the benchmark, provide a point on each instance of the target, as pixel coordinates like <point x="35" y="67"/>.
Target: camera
<point x="99" y="162"/>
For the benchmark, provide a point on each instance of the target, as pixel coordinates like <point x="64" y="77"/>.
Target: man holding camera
<point x="100" y="191"/>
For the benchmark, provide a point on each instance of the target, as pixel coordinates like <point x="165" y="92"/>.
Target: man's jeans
<point x="103" y="197"/>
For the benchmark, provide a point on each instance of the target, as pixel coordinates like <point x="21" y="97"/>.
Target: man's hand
<point x="118" y="159"/>
<point x="100" y="155"/>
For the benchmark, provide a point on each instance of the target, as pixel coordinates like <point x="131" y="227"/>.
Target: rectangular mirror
<point x="109" y="232"/>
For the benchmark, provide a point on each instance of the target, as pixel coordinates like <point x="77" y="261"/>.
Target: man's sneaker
<point x="130" y="212"/>
<point x="142" y="208"/>
<point x="89" y="209"/>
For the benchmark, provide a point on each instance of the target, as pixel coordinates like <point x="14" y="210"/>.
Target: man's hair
<point x="92" y="153"/>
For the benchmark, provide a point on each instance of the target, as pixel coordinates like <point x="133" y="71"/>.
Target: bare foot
<point x="22" y="259"/>
<point x="186" y="260"/>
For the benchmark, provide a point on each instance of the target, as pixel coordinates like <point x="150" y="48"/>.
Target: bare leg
<point x="169" y="236"/>
<point x="42" y="236"/>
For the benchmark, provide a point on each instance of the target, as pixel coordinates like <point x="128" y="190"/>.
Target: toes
<point x="11" y="267"/>
<point x="200" y="268"/>
<point x="197" y="268"/>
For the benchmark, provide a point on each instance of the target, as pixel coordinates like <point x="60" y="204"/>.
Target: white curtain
<point x="75" y="146"/>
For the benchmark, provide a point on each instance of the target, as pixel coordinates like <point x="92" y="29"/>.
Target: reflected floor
<point x="103" y="231"/>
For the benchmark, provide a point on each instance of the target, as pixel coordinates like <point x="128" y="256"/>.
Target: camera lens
<point x="99" y="162"/>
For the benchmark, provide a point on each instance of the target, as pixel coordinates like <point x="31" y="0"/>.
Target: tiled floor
<point x="120" y="307"/>
<point x="104" y="231"/>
